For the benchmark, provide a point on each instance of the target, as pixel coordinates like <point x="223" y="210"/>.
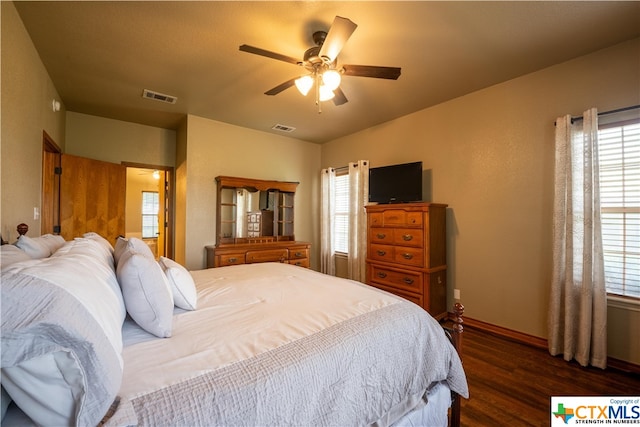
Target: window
<point x="150" y="208"/>
<point x="619" y="152"/>
<point x="341" y="222"/>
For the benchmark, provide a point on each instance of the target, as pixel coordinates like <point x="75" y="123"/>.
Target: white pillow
<point x="52" y="241"/>
<point x="91" y="247"/>
<point x="49" y="387"/>
<point x="124" y="245"/>
<point x="10" y="254"/>
<point x="34" y="247"/>
<point x="182" y="285"/>
<point x="89" y="251"/>
<point x="119" y="248"/>
<point x="146" y="292"/>
<point x="98" y="238"/>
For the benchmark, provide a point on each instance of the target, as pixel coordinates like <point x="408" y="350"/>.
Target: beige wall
<point x="180" y="222"/>
<point x="117" y="141"/>
<point x="489" y="155"/>
<point x="214" y="148"/>
<point x="26" y="98"/>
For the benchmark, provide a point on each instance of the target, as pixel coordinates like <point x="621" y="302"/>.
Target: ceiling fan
<point x="320" y="61"/>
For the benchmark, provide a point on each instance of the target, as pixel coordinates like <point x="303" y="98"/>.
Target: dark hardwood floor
<point x="511" y="384"/>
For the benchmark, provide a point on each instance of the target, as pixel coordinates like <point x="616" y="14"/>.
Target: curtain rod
<point x="343" y="168"/>
<point x="604" y="113"/>
<point x="340" y="169"/>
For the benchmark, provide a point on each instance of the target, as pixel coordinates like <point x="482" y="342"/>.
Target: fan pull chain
<point x="318" y="103"/>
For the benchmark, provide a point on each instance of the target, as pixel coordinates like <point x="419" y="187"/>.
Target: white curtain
<point x="578" y="305"/>
<point x="327" y="215"/>
<point x="358" y="196"/>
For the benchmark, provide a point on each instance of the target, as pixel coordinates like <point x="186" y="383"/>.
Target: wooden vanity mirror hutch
<point x="255" y="223"/>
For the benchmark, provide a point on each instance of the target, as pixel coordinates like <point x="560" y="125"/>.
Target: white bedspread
<point x="274" y="344"/>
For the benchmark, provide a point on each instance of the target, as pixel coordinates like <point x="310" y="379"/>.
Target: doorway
<point x="147" y="207"/>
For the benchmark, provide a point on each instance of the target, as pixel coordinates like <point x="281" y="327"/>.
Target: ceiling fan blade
<point x="391" y="73"/>
<point x="338" y="34"/>
<point x="339" y="97"/>
<point x="286" y="85"/>
<point x="269" y="54"/>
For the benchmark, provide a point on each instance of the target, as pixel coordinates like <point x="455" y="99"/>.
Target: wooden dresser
<point x="255" y="223"/>
<point x="406" y="253"/>
<point x="292" y="252"/>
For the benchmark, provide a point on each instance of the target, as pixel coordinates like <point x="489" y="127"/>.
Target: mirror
<point x="254" y="211"/>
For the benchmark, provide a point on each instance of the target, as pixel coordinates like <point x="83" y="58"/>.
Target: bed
<point x="257" y="344"/>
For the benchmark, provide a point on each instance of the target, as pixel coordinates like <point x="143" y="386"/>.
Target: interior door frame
<point x="169" y="198"/>
<point x="50" y="208"/>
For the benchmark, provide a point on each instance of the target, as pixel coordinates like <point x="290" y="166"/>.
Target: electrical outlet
<point x="36" y="213"/>
<point x="456" y="294"/>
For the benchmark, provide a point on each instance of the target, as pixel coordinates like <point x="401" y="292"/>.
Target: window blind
<point x="150" y="208"/>
<point x="341" y="220"/>
<point x="619" y="152"/>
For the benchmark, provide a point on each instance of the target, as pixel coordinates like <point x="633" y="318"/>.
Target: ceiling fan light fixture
<point x="326" y="93"/>
<point x="304" y="84"/>
<point x="331" y="79"/>
<point x="321" y="60"/>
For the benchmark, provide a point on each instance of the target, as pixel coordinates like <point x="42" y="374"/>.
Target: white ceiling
<point x="101" y="55"/>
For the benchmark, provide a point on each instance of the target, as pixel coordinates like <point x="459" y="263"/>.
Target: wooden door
<point x="92" y="198"/>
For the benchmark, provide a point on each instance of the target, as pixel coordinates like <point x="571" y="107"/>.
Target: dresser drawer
<point x="408" y="256"/>
<point x="408" y="237"/>
<point x="381" y="235"/>
<point x="381" y="252"/>
<point x="231" y="259"/>
<point x="269" y="255"/>
<point x="298" y="253"/>
<point x="406" y="280"/>
<point x="401" y="218"/>
<point x="375" y="219"/>
<point x="396" y="236"/>
<point x="302" y="262"/>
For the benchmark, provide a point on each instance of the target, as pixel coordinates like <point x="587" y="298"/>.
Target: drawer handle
<point x="299" y="254"/>
<point x="382" y="275"/>
<point x="407" y="256"/>
<point x="233" y="259"/>
<point x="382" y="253"/>
<point x="407" y="237"/>
<point x="408" y="280"/>
<point x="381" y="236"/>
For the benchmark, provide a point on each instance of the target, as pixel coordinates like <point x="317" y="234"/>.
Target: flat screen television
<point x="400" y="183"/>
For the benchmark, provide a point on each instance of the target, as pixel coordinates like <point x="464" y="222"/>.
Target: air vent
<point x="149" y="94"/>
<point x="283" y="128"/>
